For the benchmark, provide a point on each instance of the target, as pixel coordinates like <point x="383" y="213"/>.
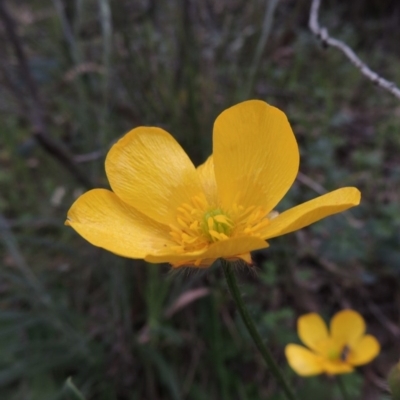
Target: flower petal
<point x="364" y="351"/>
<point x="312" y="211"/>
<point x="106" y="221"/>
<point x="207" y="179"/>
<point x="347" y="327"/>
<point x="256" y="156"/>
<point x="312" y="331"/>
<point x="231" y="248"/>
<point x="303" y="361"/>
<point x="336" y="367"/>
<point x="149" y="170"/>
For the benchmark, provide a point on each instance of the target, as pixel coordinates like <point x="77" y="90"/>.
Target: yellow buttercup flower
<point x="162" y="209"/>
<point x="336" y="352"/>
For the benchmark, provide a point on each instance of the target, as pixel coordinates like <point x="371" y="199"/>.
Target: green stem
<point x="342" y="388"/>
<point x="266" y="30"/>
<point x="72" y="391"/>
<point x="233" y="287"/>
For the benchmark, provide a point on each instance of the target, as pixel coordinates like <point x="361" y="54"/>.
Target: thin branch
<point x="93" y="156"/>
<point x="307" y="181"/>
<point x="36" y="114"/>
<point x="9" y="25"/>
<point x="323" y="35"/>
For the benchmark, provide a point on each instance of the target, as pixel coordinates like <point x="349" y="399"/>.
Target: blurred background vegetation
<point x="75" y="75"/>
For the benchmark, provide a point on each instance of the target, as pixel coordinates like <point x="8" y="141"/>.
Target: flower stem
<point x="342" y="388"/>
<point x="233" y="287"/>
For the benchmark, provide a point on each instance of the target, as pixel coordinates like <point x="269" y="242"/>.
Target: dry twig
<point x="323" y="35"/>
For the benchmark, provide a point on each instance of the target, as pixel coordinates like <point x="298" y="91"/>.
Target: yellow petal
<point x="207" y="179"/>
<point x="364" y="351"/>
<point x="256" y="157"/>
<point x="312" y="331"/>
<point x="106" y="221"/>
<point x="149" y="170"/>
<point x="347" y="327"/>
<point x="303" y="361"/>
<point x="231" y="248"/>
<point x="336" y="367"/>
<point x="312" y="211"/>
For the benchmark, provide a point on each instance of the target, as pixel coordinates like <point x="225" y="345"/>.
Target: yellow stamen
<point x="215" y="223"/>
<point x="198" y="226"/>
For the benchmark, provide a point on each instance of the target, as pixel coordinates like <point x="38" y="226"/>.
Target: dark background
<point x="77" y="75"/>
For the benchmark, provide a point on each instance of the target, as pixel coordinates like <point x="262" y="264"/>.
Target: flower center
<point x="333" y="354"/>
<point x="188" y="232"/>
<point x="216" y="225"/>
<point x="339" y="355"/>
<point x="198" y="225"/>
